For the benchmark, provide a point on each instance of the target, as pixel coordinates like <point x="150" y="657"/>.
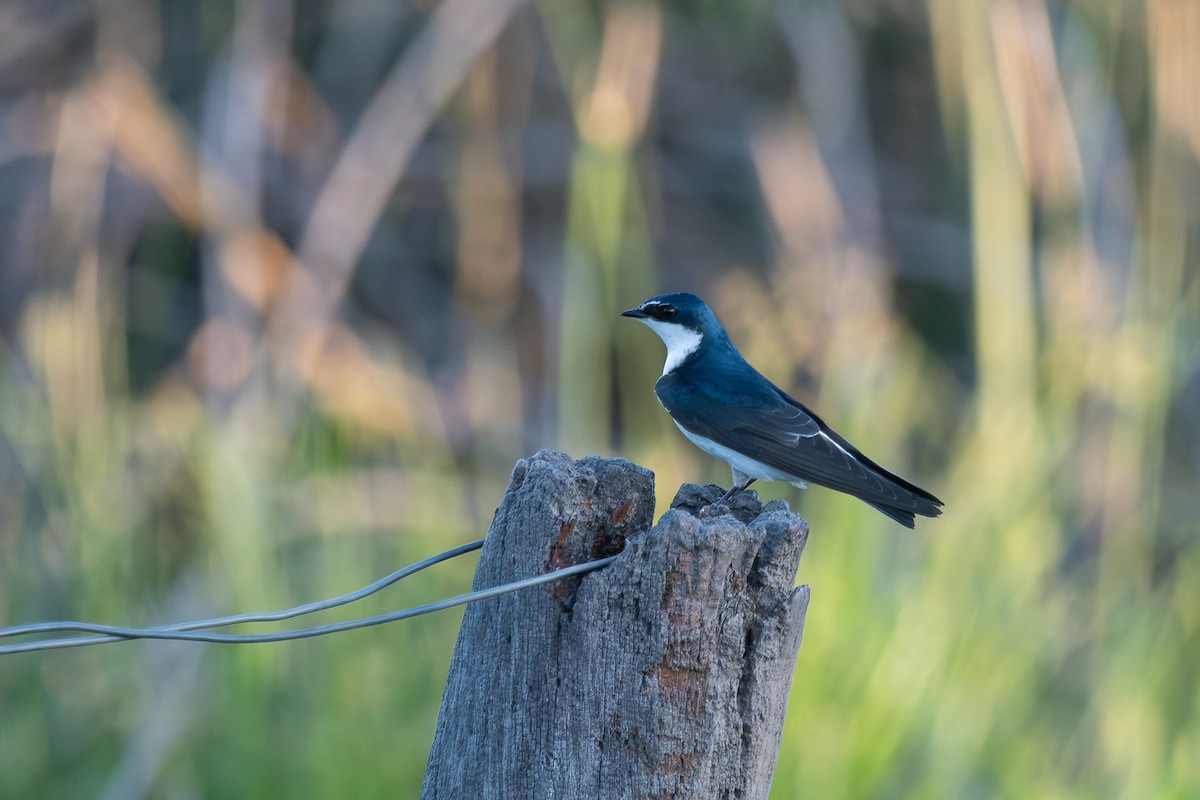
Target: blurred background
<point x="286" y="288"/>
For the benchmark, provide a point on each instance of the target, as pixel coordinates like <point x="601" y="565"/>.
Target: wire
<point x="188" y="631"/>
<point x="237" y="619"/>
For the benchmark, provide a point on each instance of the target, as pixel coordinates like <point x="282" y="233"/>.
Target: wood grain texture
<point x="664" y="675"/>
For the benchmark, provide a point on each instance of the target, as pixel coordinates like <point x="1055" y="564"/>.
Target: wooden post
<point x="663" y="675"/>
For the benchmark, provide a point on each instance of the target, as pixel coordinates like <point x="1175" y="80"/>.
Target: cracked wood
<point x="664" y="675"/>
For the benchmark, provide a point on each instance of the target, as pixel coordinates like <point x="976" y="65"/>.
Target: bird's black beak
<point x="636" y="313"/>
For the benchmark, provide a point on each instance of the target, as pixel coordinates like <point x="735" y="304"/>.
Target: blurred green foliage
<point x="288" y="287"/>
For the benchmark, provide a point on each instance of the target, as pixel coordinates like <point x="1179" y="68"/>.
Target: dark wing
<point x="768" y="426"/>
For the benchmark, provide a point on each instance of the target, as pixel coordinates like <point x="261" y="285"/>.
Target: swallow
<point x="729" y="410"/>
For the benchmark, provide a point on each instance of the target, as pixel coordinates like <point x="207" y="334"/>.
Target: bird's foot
<point x="732" y="491"/>
<point x="711" y="508"/>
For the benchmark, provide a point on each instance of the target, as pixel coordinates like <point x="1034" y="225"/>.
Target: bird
<point x="728" y="409"/>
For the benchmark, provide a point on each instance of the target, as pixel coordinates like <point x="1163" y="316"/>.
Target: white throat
<point x="681" y="342"/>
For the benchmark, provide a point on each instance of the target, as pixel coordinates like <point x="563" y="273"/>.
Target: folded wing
<point x="776" y="430"/>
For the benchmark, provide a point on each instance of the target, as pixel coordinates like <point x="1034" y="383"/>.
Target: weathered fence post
<point x="663" y="675"/>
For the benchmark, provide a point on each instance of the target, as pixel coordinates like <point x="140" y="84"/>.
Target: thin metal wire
<point x="187" y="631"/>
<point x="265" y="616"/>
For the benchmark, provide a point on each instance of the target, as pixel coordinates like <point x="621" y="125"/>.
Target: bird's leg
<point x="734" y="490"/>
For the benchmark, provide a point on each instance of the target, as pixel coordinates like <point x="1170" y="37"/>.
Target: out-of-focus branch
<point x="371" y="163"/>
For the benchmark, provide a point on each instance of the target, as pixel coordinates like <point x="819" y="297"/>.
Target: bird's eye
<point x="660" y="311"/>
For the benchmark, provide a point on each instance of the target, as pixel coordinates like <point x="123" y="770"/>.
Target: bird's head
<point x="682" y="321"/>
